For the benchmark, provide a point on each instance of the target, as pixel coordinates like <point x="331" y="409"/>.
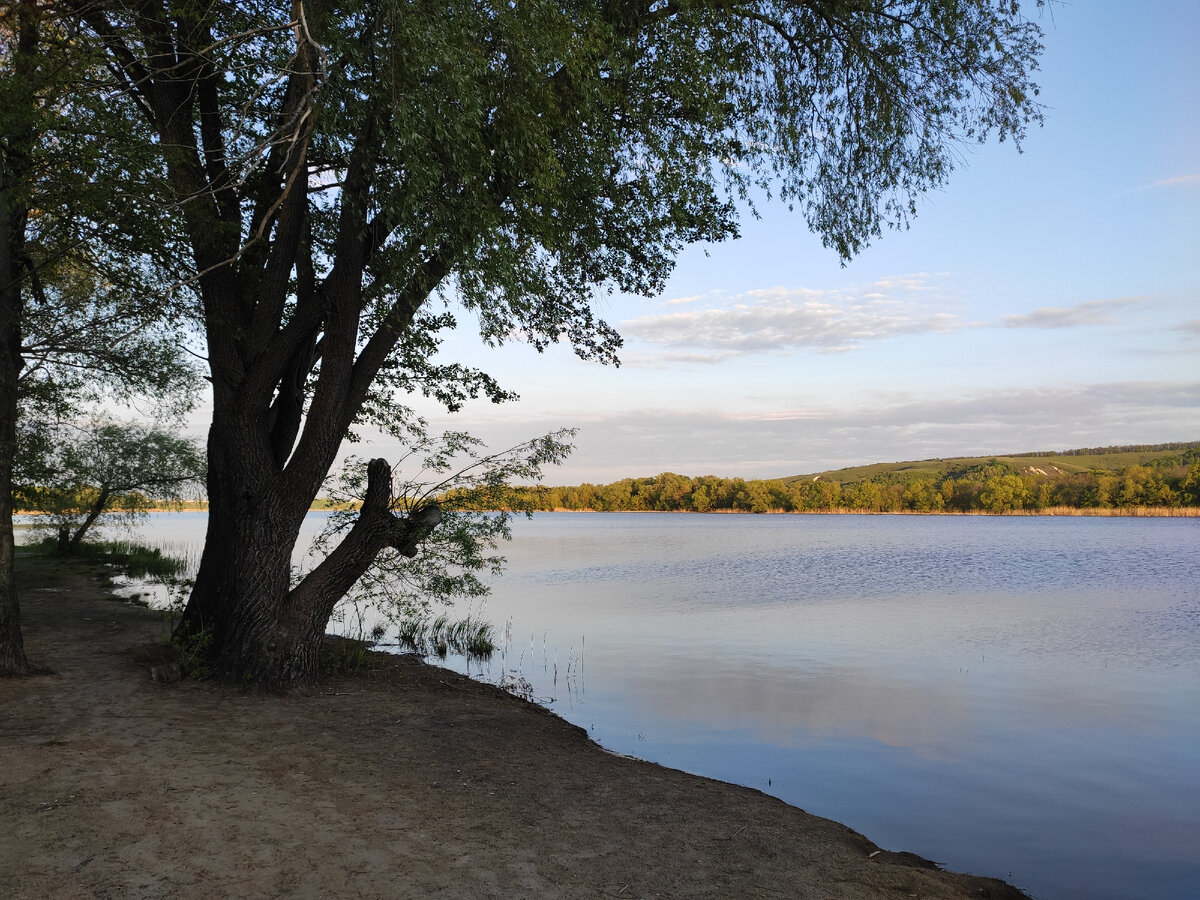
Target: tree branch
<point x="376" y="528"/>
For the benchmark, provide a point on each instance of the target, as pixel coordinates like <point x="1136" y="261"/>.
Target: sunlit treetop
<point x="529" y="153"/>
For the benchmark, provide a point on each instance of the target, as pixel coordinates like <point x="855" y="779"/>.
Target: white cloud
<point x="814" y="436"/>
<point x="1092" y="312"/>
<point x="918" y="283"/>
<point x="1192" y="327"/>
<point x="1175" y="181"/>
<point x="786" y="318"/>
<point x="1186" y="180"/>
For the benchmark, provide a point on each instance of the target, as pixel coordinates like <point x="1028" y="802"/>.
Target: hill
<point x="1109" y="460"/>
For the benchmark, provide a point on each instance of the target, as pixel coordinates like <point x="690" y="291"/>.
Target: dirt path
<point x="405" y="781"/>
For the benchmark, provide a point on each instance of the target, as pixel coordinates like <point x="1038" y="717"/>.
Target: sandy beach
<point x="403" y="780"/>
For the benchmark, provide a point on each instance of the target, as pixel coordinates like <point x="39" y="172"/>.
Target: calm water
<point x="1017" y="697"/>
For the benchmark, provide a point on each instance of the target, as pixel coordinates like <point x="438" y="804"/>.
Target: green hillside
<point x="1050" y="463"/>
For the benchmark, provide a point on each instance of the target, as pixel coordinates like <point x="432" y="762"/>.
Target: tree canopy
<point x="349" y="178"/>
<point x="994" y="486"/>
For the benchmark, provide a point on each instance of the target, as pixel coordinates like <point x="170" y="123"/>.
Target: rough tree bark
<point x="267" y="632"/>
<point x="16" y="145"/>
<point x="12" y="650"/>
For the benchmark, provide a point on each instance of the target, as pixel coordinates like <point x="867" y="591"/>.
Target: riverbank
<point x="401" y="781"/>
<point x="1136" y="512"/>
<point x="1105" y="512"/>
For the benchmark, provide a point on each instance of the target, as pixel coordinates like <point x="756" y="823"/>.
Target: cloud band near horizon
<point x="781" y="442"/>
<point x="834" y="321"/>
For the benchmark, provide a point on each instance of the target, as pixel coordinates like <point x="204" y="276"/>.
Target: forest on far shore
<point x="1150" y="477"/>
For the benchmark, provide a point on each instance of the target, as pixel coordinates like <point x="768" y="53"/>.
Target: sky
<point x="1042" y="300"/>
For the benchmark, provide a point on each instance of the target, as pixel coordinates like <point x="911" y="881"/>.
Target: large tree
<point x="19" y="49"/>
<point x="80" y="257"/>
<point x="343" y="172"/>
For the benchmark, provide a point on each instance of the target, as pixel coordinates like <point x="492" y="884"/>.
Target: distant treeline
<point x="994" y="486"/>
<point x="1119" y="448"/>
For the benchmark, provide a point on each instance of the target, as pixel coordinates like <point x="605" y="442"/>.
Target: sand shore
<point x="402" y="781"/>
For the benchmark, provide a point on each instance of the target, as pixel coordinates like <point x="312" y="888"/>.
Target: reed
<point x="439" y="635"/>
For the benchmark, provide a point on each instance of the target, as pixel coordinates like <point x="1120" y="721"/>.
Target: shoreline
<point x="401" y="780"/>
<point x="1114" y="512"/>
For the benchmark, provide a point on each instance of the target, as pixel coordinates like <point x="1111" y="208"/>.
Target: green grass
<point x="133" y="559"/>
<point x="1104" y="461"/>
<point x="437" y="636"/>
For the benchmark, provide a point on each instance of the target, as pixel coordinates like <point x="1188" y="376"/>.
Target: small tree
<point x="460" y="501"/>
<point x="109" y="470"/>
<point x="1003" y="492"/>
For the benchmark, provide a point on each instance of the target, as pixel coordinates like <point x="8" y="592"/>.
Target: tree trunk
<point x="256" y="628"/>
<point x="238" y="611"/>
<point x="15" y="150"/>
<point x="12" y="648"/>
<point x="243" y="612"/>
<point x="93" y="514"/>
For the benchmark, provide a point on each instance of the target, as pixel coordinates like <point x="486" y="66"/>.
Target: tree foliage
<point x="79" y="252"/>
<point x="89" y="255"/>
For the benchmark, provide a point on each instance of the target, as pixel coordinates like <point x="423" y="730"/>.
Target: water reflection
<point x="790" y="707"/>
<point x="1011" y="696"/>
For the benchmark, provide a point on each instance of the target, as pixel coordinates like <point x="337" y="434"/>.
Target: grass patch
<point x="135" y="560"/>
<point x="343" y="655"/>
<point x="438" y="635"/>
<point x="105" y="559"/>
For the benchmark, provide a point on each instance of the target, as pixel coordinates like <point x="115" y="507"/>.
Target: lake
<point x="1016" y="697"/>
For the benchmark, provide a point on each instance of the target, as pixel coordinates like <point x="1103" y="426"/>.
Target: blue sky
<point x="1042" y="300"/>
